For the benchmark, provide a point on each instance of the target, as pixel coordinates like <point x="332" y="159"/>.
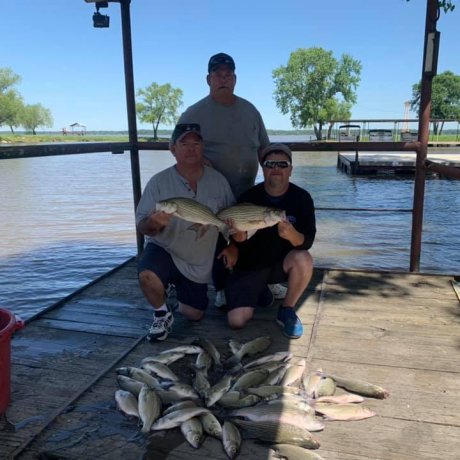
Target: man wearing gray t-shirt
<point x="177" y="251"/>
<point x="234" y="134"/>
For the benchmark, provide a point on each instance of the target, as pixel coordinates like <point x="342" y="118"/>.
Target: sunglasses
<point x="272" y="164"/>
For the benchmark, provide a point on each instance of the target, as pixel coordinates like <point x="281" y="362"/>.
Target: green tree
<point x="35" y="115"/>
<point x="446" y="5"/>
<point x="10" y="100"/>
<point x="159" y="104"/>
<point x="315" y="87"/>
<point x="445" y="98"/>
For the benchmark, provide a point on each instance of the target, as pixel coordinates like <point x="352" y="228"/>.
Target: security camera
<point x="101" y="20"/>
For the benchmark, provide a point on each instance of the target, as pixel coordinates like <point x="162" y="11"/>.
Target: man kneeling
<point x="274" y="254"/>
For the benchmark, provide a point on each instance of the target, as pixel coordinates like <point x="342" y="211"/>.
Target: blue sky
<point x="76" y="71"/>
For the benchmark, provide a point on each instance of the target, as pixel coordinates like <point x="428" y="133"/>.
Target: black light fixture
<point x="100" y="20"/>
<point x="430" y="61"/>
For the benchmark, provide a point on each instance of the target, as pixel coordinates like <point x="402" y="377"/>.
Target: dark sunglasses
<point x="272" y="164"/>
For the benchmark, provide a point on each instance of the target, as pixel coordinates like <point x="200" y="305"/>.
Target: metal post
<point x="423" y="138"/>
<point x="131" y="109"/>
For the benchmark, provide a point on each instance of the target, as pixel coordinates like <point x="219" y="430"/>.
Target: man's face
<point x="222" y="80"/>
<point x="188" y="150"/>
<point x="277" y="170"/>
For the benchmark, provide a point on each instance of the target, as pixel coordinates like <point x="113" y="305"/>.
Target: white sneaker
<point x="278" y="290"/>
<point x="161" y="325"/>
<point x="220" y="301"/>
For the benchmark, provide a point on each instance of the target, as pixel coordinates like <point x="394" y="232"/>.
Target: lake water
<point x="65" y="220"/>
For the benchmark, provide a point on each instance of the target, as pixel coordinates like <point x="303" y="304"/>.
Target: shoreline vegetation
<point x="21" y="137"/>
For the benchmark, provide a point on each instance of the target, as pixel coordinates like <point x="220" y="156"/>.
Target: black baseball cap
<point x="220" y="59"/>
<point x="182" y="129"/>
<point x="275" y="148"/>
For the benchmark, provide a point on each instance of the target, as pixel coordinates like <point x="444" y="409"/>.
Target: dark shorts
<point x="246" y="288"/>
<point x="159" y="261"/>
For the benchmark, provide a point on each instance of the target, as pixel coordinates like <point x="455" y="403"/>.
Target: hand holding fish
<point x="288" y="232"/>
<point x="237" y="235"/>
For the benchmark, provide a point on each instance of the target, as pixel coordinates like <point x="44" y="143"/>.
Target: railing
<point x="39" y="150"/>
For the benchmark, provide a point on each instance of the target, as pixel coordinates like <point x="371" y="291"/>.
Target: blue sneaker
<point x="266" y="299"/>
<point x="290" y="322"/>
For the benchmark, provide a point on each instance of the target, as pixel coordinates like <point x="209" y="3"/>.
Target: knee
<point x="303" y="261"/>
<point x="148" y="279"/>
<point x="238" y="319"/>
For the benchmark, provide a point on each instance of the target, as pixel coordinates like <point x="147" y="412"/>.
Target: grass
<point x="6" y="138"/>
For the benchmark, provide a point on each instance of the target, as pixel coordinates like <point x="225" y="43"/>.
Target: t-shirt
<point x="232" y="137"/>
<point x="192" y="251"/>
<point x="266" y="247"/>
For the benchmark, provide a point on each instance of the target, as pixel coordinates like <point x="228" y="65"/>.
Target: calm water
<point x="66" y="220"/>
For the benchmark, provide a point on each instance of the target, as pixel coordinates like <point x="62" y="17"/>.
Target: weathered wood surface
<point x="399" y="331"/>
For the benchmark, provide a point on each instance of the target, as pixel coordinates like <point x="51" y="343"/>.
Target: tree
<point x="445" y="98"/>
<point x="35" y="115"/>
<point x="314" y="87"/>
<point x="159" y="104"/>
<point x="10" y="100"/>
<point x="446" y="5"/>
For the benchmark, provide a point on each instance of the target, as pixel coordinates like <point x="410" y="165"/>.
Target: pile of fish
<point x="244" y="216"/>
<point x="272" y="398"/>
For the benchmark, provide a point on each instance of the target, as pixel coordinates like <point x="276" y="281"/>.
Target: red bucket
<point x="8" y="324"/>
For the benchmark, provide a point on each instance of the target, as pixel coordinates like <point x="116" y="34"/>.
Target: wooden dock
<point x="400" y="331"/>
<point x="397" y="163"/>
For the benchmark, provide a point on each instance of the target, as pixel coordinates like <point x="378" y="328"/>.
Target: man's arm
<point x="154" y="223"/>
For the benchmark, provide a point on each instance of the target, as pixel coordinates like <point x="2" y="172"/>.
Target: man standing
<point x="233" y="130"/>
<point x="175" y="252"/>
<point x="274" y="254"/>
<point x="234" y="134"/>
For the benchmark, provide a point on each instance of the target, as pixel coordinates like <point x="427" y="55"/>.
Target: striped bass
<point x="282" y="451"/>
<point x="280" y="414"/>
<point x="272" y="432"/>
<point x="358" y="386"/>
<point x="343" y="411"/>
<point x="127" y="402"/>
<point x="149" y="406"/>
<point x="191" y="211"/>
<point x="231" y="439"/>
<point x="250" y="217"/>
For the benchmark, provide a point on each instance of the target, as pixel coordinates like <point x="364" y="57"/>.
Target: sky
<point x="76" y="71"/>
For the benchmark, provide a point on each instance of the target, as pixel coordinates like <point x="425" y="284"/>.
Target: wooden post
<point x="423" y="137"/>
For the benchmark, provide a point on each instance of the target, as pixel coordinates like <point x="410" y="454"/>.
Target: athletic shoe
<point x="278" y="290"/>
<point x="290" y="322"/>
<point x="266" y="299"/>
<point x="161" y="325"/>
<point x="220" y="300"/>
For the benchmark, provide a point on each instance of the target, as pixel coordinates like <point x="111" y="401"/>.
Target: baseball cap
<point x="272" y="148"/>
<point x="182" y="129"/>
<point x="220" y="59"/>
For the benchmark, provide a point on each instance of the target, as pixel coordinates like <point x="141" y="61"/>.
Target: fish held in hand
<point x="250" y="217"/>
<point x="191" y="211"/>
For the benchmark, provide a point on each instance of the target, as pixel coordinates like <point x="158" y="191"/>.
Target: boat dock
<point x="398" y="163"/>
<point x="400" y="331"/>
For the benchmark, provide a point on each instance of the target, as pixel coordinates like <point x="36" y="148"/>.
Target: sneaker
<point x="220" y="300"/>
<point x="161" y="325"/>
<point x="290" y="322"/>
<point x="278" y="290"/>
<point x="266" y="299"/>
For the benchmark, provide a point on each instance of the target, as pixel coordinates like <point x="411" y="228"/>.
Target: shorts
<point x="245" y="288"/>
<point x="159" y="261"/>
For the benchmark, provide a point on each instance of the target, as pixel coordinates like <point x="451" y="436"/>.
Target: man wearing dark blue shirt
<point x="274" y="254"/>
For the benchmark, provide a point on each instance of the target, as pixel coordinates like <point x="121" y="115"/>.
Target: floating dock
<point x="397" y="163"/>
<point x="398" y="330"/>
